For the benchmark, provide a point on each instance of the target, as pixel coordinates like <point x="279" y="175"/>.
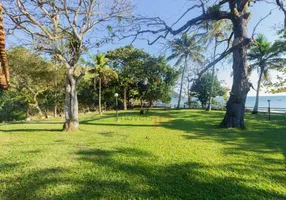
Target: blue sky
<point x="170" y="10"/>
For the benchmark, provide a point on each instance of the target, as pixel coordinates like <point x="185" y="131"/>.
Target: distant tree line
<point x="38" y="84"/>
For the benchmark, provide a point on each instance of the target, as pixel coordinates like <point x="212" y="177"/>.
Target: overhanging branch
<point x="245" y="42"/>
<point x="161" y="29"/>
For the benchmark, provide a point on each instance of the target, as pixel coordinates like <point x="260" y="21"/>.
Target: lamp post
<point x="269" y="109"/>
<point x="116" y="105"/>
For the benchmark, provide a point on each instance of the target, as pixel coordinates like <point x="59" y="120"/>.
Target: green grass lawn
<point x="186" y="157"/>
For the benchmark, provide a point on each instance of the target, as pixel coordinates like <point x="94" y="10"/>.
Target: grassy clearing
<point x="188" y="157"/>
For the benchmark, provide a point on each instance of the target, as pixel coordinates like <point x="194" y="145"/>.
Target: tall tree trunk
<point x="182" y="81"/>
<point x="27" y="110"/>
<point x="255" y="109"/>
<point x="99" y="96"/>
<point x="189" y="95"/>
<point x="55" y="110"/>
<point x="235" y="106"/>
<point x="55" y="88"/>
<point x="71" y="102"/>
<point x="125" y="97"/>
<point x="212" y="83"/>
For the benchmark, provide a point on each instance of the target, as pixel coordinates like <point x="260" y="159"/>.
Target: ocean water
<point x="276" y="102"/>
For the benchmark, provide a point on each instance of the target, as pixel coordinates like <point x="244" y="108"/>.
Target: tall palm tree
<point x="218" y="30"/>
<point x="4" y="73"/>
<point x="184" y="49"/>
<point x="264" y="56"/>
<point x="102" y="74"/>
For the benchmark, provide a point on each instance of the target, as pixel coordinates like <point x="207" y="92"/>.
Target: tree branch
<point x="255" y="27"/>
<point x="24" y="11"/>
<point x="165" y="30"/>
<point x="245" y="42"/>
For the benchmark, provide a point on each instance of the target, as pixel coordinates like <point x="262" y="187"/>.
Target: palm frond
<point x="180" y="60"/>
<point x="252" y="67"/>
<point x="186" y="46"/>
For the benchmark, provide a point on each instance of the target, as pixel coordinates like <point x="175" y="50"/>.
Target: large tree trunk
<point x="71" y="103"/>
<point x="212" y="83"/>
<point x="255" y="109"/>
<point x="125" y="98"/>
<point x="99" y="96"/>
<point x="235" y="106"/>
<point x="150" y="103"/>
<point x="182" y="81"/>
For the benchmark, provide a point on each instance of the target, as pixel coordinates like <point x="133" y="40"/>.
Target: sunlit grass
<point x="186" y="156"/>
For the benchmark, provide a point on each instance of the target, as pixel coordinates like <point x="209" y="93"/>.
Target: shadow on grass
<point x="32" y="152"/>
<point x="31" y="130"/>
<point x="5" y="167"/>
<point x="97" y="118"/>
<point x="37" y="122"/>
<point x="107" y="133"/>
<point x="262" y="138"/>
<point x="125" y="174"/>
<point x="177" y="181"/>
<point x="128" y="173"/>
<point x="120" y="124"/>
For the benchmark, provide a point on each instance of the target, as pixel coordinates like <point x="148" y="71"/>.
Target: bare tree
<point x="65" y="29"/>
<point x="235" y="11"/>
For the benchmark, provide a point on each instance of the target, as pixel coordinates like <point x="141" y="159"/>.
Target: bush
<point x="12" y="106"/>
<point x="195" y="104"/>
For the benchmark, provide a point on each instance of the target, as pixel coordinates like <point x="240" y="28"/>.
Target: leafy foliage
<point x="161" y="78"/>
<point x="263" y="57"/>
<point x="12" y="105"/>
<point x="184" y="49"/>
<point x="103" y="73"/>
<point x="266" y="56"/>
<point x="201" y="88"/>
<point x="146" y="77"/>
<point x="31" y="76"/>
<point x="127" y="61"/>
<point x="186" y="46"/>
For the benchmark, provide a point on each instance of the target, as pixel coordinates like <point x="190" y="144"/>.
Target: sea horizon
<point x="270" y="95"/>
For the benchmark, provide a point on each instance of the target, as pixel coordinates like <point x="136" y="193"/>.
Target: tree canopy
<point x="201" y="88"/>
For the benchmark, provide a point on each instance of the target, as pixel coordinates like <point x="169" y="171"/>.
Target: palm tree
<point x="184" y="49"/>
<point x="219" y="29"/>
<point x="264" y="56"/>
<point x="102" y="73"/>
